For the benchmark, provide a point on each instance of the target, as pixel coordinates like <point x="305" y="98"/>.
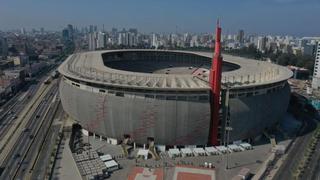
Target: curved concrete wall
<point x="169" y="121"/>
<point x="249" y="116"/>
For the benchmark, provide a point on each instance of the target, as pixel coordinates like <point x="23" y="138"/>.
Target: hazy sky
<point x="293" y="17"/>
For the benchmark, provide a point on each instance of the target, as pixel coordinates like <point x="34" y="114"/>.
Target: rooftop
<point x="89" y="66"/>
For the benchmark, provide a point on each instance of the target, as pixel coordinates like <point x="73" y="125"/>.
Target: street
<point x="30" y="139"/>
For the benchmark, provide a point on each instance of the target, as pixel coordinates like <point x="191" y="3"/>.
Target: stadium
<point x="165" y="95"/>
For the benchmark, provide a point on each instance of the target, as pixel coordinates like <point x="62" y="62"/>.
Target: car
<point x="17" y="155"/>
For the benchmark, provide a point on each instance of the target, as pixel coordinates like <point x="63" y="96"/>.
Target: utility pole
<point x="228" y="127"/>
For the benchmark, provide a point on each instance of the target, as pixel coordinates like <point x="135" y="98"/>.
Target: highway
<point x="30" y="139"/>
<point x="296" y="152"/>
<point x="11" y="110"/>
<point x="39" y="169"/>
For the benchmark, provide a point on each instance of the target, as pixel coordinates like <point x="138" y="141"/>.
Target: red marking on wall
<point x="148" y="121"/>
<point x="100" y="113"/>
<point x="192" y="136"/>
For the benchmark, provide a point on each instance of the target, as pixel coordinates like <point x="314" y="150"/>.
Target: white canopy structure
<point x="112" y="165"/>
<point x="246" y="146"/>
<point x="211" y="151"/>
<point x="199" y="152"/>
<point x="106" y="157"/>
<point x="222" y="149"/>
<point x="235" y="148"/>
<point x="143" y="153"/>
<point x="174" y="153"/>
<point x="186" y="152"/>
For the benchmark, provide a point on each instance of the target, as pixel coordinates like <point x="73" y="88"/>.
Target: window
<point x="121" y="94"/>
<point x="203" y="98"/>
<point x="171" y="98"/>
<point x="149" y="96"/>
<point x="193" y="98"/>
<point x="182" y="98"/>
<point x="160" y="97"/>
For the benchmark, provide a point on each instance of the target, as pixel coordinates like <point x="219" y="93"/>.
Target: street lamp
<point x="228" y="128"/>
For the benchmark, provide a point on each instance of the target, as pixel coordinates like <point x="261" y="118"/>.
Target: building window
<point x="171" y="98"/>
<point x="193" y="98"/>
<point x="161" y="97"/>
<point x="121" y="94"/>
<point x="203" y="98"/>
<point x="182" y="98"/>
<point x="149" y="96"/>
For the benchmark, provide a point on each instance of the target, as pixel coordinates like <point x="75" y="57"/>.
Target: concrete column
<point x="100" y="138"/>
<point x="134" y="145"/>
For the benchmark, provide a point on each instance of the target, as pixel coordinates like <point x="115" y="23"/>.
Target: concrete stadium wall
<point x="249" y="116"/>
<point x="170" y="122"/>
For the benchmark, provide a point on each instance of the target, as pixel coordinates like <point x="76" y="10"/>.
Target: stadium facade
<point x="165" y="95"/>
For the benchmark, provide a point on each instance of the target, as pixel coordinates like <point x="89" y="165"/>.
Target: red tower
<point x="215" y="84"/>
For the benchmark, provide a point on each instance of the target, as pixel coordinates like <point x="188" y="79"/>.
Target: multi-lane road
<point x="10" y="112"/>
<point x="20" y="160"/>
<point x="296" y="152"/>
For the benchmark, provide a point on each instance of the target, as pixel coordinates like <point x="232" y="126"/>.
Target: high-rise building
<point x="302" y="43"/>
<point x="262" y="44"/>
<point x="308" y="49"/>
<point x="3" y="46"/>
<point x="101" y="40"/>
<point x="92" y="41"/>
<point x="65" y="35"/>
<point x="23" y="31"/>
<point x="71" y="32"/>
<point x="91" y="29"/>
<point x="42" y="30"/>
<point x="241" y="36"/>
<point x="132" y="39"/>
<point x="122" y="38"/>
<point x="68" y="33"/>
<point x="194" y="41"/>
<point x="154" y="41"/>
<point x="316" y="71"/>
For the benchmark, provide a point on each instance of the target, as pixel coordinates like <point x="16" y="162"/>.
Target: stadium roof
<point x="89" y="66"/>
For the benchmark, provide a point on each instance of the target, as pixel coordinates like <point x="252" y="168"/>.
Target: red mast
<point x="215" y="84"/>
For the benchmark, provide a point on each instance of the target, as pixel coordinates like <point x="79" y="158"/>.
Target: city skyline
<point x="276" y="17"/>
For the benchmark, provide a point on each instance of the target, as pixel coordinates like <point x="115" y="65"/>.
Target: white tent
<point x="235" y="148"/>
<point x="199" y="152"/>
<point x="143" y="153"/>
<point x="222" y="149"/>
<point x="186" y="152"/>
<point x="112" y="165"/>
<point x="174" y="153"/>
<point x="211" y="151"/>
<point x="106" y="157"/>
<point x="246" y="146"/>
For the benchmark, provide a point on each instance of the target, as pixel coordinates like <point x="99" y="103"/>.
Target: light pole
<point x="228" y="128"/>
